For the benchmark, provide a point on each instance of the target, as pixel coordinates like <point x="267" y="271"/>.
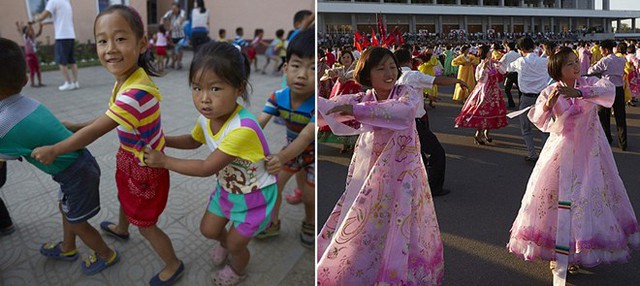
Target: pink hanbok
<point x="575" y="207"/>
<point x="585" y="60"/>
<point x="631" y="69"/>
<point x="383" y="230"/>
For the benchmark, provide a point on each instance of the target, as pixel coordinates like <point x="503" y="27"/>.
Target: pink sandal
<point x="294" y="198"/>
<point x="227" y="277"/>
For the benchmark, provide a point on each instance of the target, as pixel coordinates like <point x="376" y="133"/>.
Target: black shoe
<point x="7" y="230"/>
<point x="440" y="193"/>
<point x="531" y="159"/>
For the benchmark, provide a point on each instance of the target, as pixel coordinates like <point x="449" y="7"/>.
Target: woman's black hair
<point x="145" y="60"/>
<point x="201" y="6"/>
<point x="368" y="60"/>
<point x="484" y="49"/>
<point x="226" y="61"/>
<point x="557" y="61"/>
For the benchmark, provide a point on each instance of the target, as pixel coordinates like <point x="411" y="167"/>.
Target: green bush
<point x="84" y="53"/>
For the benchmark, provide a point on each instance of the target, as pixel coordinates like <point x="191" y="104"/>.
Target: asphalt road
<point x="487" y="184"/>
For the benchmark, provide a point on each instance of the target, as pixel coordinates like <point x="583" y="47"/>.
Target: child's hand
<point x="273" y="164"/>
<point x="45" y="154"/>
<point x="153" y="158"/>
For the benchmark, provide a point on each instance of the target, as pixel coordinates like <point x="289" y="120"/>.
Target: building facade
<point x="250" y="14"/>
<point x="473" y="16"/>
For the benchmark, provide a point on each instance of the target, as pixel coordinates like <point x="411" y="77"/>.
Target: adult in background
<point x="533" y="77"/>
<point x="611" y="67"/>
<point x="199" y="25"/>
<point x="176" y="16"/>
<point x="512" y="76"/>
<point x="65" y="35"/>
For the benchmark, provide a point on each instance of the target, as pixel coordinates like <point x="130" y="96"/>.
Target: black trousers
<point x="433" y="155"/>
<point x="512" y="78"/>
<point x="5" y="219"/>
<point x="620" y="115"/>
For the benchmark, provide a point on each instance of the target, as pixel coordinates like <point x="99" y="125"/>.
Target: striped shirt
<point x="241" y="137"/>
<point x="136" y="108"/>
<point x="279" y="104"/>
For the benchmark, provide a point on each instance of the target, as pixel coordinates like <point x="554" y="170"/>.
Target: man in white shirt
<point x="533" y="77"/>
<point x="62" y="14"/>
<point x="512" y="76"/>
<point x="433" y="154"/>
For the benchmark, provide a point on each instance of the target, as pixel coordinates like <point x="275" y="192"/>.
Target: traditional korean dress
<point x="485" y="108"/>
<point x="465" y="73"/>
<point x="429" y="68"/>
<point x="383" y="229"/>
<point x="575" y="208"/>
<point x="448" y="68"/>
<point x="349" y="86"/>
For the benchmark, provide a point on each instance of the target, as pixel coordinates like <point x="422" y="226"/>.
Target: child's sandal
<point x="227" y="277"/>
<point x="94" y="263"/>
<point x="54" y="250"/>
<point x="307" y="235"/>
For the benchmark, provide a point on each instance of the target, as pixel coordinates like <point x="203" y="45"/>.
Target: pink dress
<point x="633" y="77"/>
<point x="383" y="228"/>
<point x="484" y="108"/>
<point x="585" y="60"/>
<point x="575" y="204"/>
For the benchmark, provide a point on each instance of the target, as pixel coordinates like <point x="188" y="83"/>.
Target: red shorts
<point x="142" y="191"/>
<point x="251" y="53"/>
<point x="161" y="51"/>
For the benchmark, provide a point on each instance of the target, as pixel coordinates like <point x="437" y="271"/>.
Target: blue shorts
<point x="79" y="188"/>
<point x="63" y="50"/>
<point x="250" y="213"/>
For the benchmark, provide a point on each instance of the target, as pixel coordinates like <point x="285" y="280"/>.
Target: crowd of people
<point x="566" y="89"/>
<point x="218" y="78"/>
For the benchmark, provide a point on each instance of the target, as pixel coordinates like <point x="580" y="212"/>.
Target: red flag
<point x="398" y="36"/>
<point x="374" y="39"/>
<point x="382" y="29"/>
<point x="365" y="42"/>
<point x="389" y="41"/>
<point x="357" y="39"/>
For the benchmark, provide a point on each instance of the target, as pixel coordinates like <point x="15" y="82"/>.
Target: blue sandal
<point x="105" y="227"/>
<point x="94" y="263"/>
<point x="54" y="250"/>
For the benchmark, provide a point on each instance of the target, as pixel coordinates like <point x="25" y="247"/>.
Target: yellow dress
<point x="595" y="54"/>
<point x="497" y="55"/>
<point x="465" y="73"/>
<point x="625" y="78"/>
<point x="428" y="68"/>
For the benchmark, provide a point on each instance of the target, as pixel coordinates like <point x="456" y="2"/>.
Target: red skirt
<point x="142" y="191"/>
<point x="484" y="108"/>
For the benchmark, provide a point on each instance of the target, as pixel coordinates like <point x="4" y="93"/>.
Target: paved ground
<point x="31" y="197"/>
<point x="487" y="184"/>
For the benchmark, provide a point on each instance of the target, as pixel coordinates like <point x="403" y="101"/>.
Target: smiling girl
<point x="134" y="111"/>
<point x="383" y="230"/>
<point x="575" y="211"/>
